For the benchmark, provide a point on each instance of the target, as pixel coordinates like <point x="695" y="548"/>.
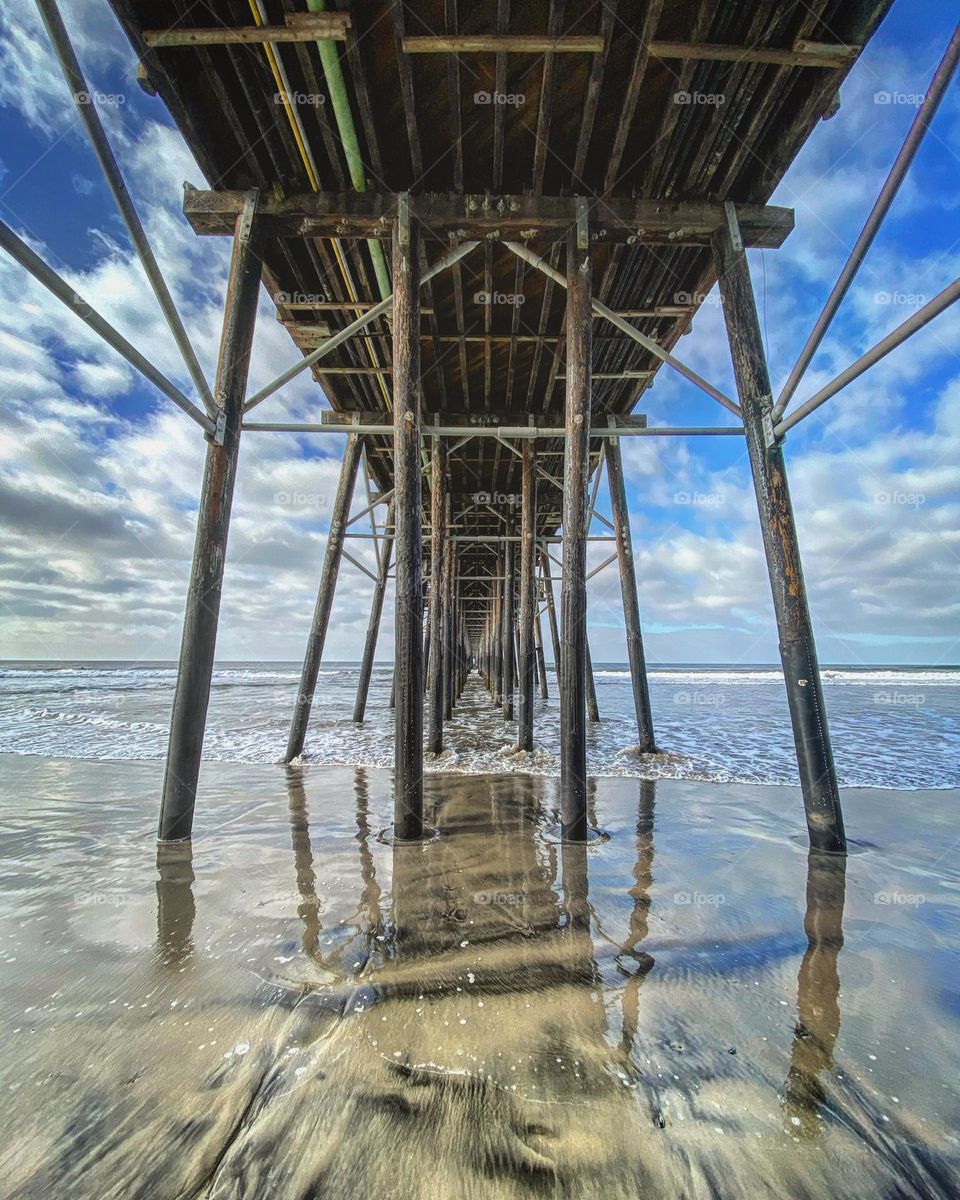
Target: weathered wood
<point x="370" y="214"/>
<point x="573" y="593"/>
<point x="508" y="667"/>
<point x="328" y="586"/>
<point x="304" y="27"/>
<point x="593" y="708"/>
<point x="408" y="749"/>
<point x="504" y="43"/>
<point x="631" y="604"/>
<point x="551" y="609"/>
<point x="438" y="554"/>
<point x="449" y="635"/>
<point x="373" y="627"/>
<point x="198" y="643"/>
<point x="528" y="559"/>
<point x="541" y="659"/>
<point x="818" y="779"/>
<point x="803" y="54"/>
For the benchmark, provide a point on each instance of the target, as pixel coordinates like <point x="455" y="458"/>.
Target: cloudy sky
<point x="99" y="475"/>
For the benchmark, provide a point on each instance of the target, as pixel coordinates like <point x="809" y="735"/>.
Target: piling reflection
<point x="308" y="909"/>
<point x="818" y="992"/>
<point x="176" y="908"/>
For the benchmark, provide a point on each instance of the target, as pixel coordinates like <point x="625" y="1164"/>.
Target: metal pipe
<point x="921" y="123"/>
<point x="343" y="115"/>
<point x="921" y="317"/>
<point x="21" y="253"/>
<point x="348" y="331"/>
<point x="87" y="110"/>
<point x="625" y="327"/>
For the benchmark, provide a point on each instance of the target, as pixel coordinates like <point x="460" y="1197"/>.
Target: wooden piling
<point x="373" y="626"/>
<point x="631" y="605"/>
<point x="593" y="708"/>
<point x="408" y="749"/>
<point x="573" y="594"/>
<point x="328" y="586"/>
<point x="438" y="518"/>
<point x="818" y="779"/>
<point x="202" y="615"/>
<point x="449" y="636"/>
<point x="551" y="609"/>
<point x="506" y="631"/>
<point x="528" y="560"/>
<point x="541" y="660"/>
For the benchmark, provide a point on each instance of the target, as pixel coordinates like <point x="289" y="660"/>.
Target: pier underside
<point x="486" y="228"/>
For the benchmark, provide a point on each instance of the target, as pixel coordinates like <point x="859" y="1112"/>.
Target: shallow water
<point x="690" y="1008"/>
<point x="892" y="727"/>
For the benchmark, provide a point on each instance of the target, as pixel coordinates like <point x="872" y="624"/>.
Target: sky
<point x="100" y="475"/>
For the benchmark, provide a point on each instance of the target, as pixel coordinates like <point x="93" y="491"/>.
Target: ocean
<point x="893" y="727"/>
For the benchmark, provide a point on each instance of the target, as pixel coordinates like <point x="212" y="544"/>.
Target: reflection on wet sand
<point x="483" y="1016"/>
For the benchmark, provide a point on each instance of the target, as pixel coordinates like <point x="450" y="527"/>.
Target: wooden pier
<point x="486" y="228"/>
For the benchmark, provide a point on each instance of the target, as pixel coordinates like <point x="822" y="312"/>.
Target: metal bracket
<point x="403" y="218"/>
<point x="583" y="224"/>
<point x="216" y="435"/>
<point x="245" y="220"/>
<point x="733" y="225"/>
<point x="770" y="438"/>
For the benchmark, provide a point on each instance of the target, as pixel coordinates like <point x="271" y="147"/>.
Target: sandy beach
<point x="689" y="1007"/>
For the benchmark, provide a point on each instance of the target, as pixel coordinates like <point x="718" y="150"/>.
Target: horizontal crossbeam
<point x="803" y="54"/>
<point x="301" y="27"/>
<point x="523" y="218"/>
<point x="542" y="427"/>
<point x="504" y="43"/>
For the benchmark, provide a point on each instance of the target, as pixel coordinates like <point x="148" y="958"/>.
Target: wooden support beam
<point x="631" y="606"/>
<point x="573" y="593"/>
<point x="805" y="53"/>
<point x="373" y="628"/>
<point x="503" y="43"/>
<point x="798" y="653"/>
<point x="198" y="644"/>
<point x="541" y="659"/>
<point x="593" y="708"/>
<point x="438" y="519"/>
<point x="300" y="27"/>
<point x="508" y="665"/>
<point x="449" y="629"/>
<point x="522" y="218"/>
<point x="408" y="748"/>
<point x="528" y="559"/>
<point x="328" y="586"/>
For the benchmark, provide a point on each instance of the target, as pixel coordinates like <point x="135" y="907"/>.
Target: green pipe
<point x="336" y="86"/>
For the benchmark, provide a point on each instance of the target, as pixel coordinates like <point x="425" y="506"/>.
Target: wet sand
<point x="693" y="1007"/>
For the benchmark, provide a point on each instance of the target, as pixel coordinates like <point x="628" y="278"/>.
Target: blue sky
<point x="99" y="475"/>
